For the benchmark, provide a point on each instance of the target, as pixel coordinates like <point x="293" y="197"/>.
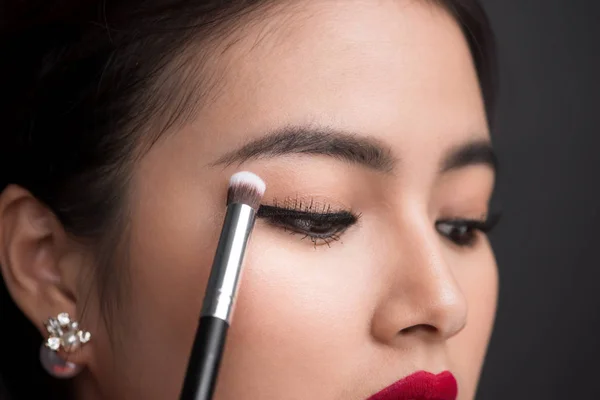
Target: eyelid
<point x="308" y="205"/>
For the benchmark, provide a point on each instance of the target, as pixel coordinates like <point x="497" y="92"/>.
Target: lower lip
<point x="421" y="386"/>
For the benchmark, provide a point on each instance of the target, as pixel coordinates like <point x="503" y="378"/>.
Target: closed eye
<point x="321" y="227"/>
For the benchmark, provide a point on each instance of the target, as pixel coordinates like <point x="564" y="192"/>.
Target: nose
<point x="421" y="298"/>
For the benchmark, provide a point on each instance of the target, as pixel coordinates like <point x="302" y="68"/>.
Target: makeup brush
<point x="243" y="199"/>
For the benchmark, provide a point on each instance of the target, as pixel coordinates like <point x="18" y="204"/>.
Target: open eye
<point x="464" y="232"/>
<point x="461" y="234"/>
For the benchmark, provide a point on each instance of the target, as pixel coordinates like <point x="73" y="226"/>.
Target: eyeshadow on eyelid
<point x="308" y="203"/>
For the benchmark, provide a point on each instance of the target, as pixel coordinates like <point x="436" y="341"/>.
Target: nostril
<point x="418" y="328"/>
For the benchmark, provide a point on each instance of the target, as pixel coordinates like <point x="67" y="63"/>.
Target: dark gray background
<point x="546" y="342"/>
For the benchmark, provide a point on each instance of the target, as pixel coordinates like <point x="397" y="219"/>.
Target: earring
<point x="63" y="334"/>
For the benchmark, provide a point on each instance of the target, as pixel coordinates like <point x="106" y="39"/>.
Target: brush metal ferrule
<point x="222" y="286"/>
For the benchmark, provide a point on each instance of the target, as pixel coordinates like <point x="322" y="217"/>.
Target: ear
<point x="39" y="262"/>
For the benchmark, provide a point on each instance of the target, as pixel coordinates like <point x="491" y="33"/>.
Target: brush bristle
<point x="246" y="188"/>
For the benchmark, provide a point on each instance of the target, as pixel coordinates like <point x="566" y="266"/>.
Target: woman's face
<point x="367" y="119"/>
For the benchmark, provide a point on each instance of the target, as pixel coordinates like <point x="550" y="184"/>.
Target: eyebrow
<point x="341" y="145"/>
<point x="477" y="152"/>
<point x="349" y="147"/>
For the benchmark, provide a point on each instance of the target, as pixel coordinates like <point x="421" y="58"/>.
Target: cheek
<point x="283" y="294"/>
<point x="173" y="238"/>
<point x="295" y="311"/>
<point x="478" y="279"/>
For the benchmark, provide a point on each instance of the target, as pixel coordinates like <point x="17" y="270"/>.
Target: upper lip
<point x="421" y="386"/>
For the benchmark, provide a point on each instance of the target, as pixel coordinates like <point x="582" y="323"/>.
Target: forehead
<point x="400" y="70"/>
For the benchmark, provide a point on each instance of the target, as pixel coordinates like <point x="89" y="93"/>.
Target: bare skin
<point x="337" y="321"/>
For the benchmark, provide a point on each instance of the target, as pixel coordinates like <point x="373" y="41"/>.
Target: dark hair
<point x="81" y="82"/>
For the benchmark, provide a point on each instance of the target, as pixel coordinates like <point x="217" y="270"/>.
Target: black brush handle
<point x="205" y="360"/>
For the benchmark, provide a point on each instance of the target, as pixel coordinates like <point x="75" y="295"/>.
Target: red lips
<point x="421" y="386"/>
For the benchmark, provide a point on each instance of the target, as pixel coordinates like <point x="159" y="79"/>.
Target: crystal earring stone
<point x="63" y="334"/>
<point x="54" y="365"/>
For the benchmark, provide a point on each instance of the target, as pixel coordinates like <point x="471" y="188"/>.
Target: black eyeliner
<point x="336" y="217"/>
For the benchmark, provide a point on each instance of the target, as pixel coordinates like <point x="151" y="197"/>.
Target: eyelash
<point x="323" y="226"/>
<point x="318" y="223"/>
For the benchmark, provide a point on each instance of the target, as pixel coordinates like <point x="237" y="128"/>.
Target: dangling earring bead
<point x="63" y="334"/>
